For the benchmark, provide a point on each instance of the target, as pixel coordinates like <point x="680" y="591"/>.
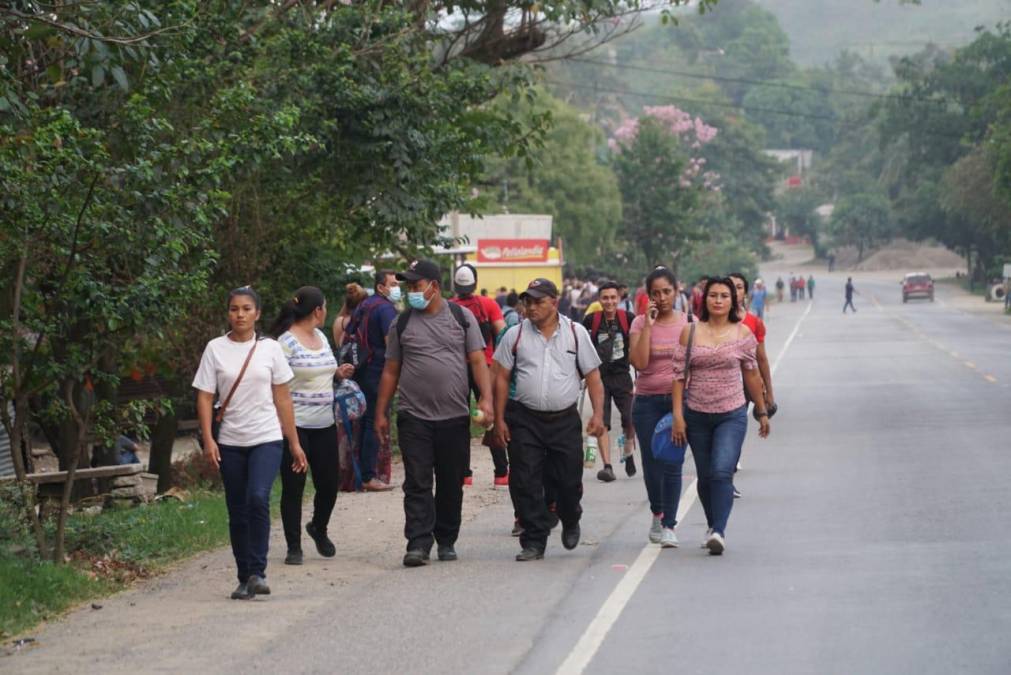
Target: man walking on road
<point x="547" y="355"/>
<point x="430" y="348"/>
<point x="609" y="333"/>
<point x="849" y="296"/>
<point x="810" y="287"/>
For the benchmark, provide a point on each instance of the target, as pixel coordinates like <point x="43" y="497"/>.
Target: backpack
<point x="454" y="309"/>
<point x="476" y="307"/>
<point x="519" y="334"/>
<point x="596" y="322"/>
<point x="355" y="349"/>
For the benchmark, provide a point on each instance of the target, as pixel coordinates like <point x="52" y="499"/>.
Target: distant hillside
<point x="820" y="29"/>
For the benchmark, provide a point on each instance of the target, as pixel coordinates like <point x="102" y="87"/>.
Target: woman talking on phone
<point x="710" y="411"/>
<point x="652" y="339"/>
<point x="250" y="376"/>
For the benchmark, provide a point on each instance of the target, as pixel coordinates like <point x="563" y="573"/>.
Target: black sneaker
<point x="447" y="553"/>
<point x="606" y="475"/>
<point x="257" y="585"/>
<point x="737" y="493"/>
<point x="517" y="528"/>
<point x="293" y="557"/>
<point x="552" y="517"/>
<point x="630" y="466"/>
<point x="530" y="553"/>
<point x="415" y="558"/>
<point x="242" y="592"/>
<point x="323" y="543"/>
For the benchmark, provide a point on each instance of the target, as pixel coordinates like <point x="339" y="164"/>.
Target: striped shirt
<point x="312" y="388"/>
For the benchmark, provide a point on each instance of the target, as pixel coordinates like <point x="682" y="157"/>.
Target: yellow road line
<point x="970" y="364"/>
<point x="990" y="378"/>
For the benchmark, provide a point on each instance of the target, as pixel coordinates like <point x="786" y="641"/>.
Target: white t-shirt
<point x="312" y="388"/>
<point x="251" y="418"/>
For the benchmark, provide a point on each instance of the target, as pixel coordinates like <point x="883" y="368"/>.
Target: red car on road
<point x="917" y="285"/>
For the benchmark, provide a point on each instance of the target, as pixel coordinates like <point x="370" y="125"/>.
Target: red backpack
<point x="476" y="307"/>
<point x="598" y="318"/>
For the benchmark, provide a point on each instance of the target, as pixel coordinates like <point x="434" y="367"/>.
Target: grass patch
<point x="108" y="552"/>
<point x="33" y="591"/>
<point x="963" y="283"/>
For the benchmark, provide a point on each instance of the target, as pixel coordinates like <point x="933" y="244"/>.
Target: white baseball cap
<point x="465" y="279"/>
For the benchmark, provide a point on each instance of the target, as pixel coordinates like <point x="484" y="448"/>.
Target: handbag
<point x="219" y="414"/>
<point x="662" y="445"/>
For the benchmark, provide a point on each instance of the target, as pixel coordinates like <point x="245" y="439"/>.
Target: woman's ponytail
<point x="305" y="301"/>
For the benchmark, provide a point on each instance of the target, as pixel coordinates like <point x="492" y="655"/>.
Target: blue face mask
<point x="395" y="294"/>
<point x="417" y="300"/>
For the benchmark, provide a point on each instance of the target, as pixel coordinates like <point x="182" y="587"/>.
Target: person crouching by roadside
<point x="297" y="330"/>
<point x="250" y="375"/>
<point x="428" y="352"/>
<point x="549" y="356"/>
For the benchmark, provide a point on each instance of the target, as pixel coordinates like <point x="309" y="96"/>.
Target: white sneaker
<point x="668" y="539"/>
<point x="655" y="530"/>
<point x="705" y="539"/>
<point x="715" y="544"/>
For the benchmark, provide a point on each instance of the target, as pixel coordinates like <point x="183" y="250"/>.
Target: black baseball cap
<point x="421" y="269"/>
<point x="540" y="288"/>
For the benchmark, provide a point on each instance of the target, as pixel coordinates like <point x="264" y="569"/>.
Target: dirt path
<point x="182" y="621"/>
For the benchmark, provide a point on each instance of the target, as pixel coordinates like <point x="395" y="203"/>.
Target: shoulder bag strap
<point x="235" y="385"/>
<point x="688" y="354"/>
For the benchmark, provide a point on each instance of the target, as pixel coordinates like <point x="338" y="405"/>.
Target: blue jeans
<point x="368" y="454"/>
<point x="248" y="474"/>
<point x="716" y="440"/>
<point x="663" y="479"/>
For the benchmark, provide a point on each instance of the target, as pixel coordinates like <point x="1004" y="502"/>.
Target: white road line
<point x="793" y="334"/>
<point x="591" y="640"/>
<point x="584" y="651"/>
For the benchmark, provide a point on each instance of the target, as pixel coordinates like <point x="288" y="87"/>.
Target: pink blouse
<point x="716" y="385"/>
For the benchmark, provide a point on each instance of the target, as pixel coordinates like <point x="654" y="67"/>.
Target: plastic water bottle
<point x="590" y="454"/>
<point x="621" y="445"/>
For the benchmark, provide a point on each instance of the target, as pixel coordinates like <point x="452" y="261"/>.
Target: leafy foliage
<point x="565" y="177"/>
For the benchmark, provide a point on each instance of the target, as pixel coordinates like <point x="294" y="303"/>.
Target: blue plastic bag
<point x="663" y="446"/>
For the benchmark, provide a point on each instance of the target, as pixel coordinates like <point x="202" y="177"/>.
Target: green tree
<point x="795" y="209"/>
<point x="657" y="205"/>
<point x="862" y="220"/>
<point x="565" y="178"/>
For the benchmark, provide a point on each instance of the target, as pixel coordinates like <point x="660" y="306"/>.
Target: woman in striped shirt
<point x="305" y="346"/>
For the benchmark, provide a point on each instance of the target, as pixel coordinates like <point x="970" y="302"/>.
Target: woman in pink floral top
<point x="711" y="414"/>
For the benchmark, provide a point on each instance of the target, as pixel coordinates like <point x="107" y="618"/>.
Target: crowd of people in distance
<point x="798" y="287"/>
<point x="691" y="357"/>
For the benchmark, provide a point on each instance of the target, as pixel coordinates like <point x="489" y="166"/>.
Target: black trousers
<point x="320" y="446"/>
<point x="544" y="444"/>
<point x="498" y="455"/>
<point x="432" y="448"/>
<point x="618" y="387"/>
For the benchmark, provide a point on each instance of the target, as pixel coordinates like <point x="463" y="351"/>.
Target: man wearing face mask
<point x="429" y="350"/>
<point x="369" y="326"/>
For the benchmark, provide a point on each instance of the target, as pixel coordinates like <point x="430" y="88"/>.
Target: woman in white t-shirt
<point x="297" y="329"/>
<point x="248" y="447"/>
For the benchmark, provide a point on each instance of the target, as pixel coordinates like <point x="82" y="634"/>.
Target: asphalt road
<point x="874" y="536"/>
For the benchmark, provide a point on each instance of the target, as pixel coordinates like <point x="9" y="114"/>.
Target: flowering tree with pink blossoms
<point x="663" y="180"/>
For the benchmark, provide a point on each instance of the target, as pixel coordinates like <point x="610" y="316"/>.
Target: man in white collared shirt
<point x="548" y="356"/>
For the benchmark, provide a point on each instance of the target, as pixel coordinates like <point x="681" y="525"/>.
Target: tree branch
<point x="80" y="32"/>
